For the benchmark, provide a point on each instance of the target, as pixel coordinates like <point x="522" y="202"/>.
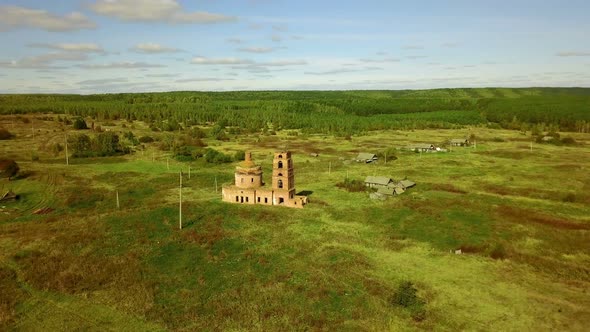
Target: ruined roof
<point x="421" y="146"/>
<point x="407" y="183"/>
<point x="382" y="180"/>
<point x="366" y="156"/>
<point x="9" y="195"/>
<point x="386" y="191"/>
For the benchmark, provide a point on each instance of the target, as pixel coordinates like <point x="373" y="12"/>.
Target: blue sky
<point x="98" y="46"/>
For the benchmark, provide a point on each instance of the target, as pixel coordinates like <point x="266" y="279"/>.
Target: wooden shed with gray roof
<point x="366" y="157"/>
<point x="378" y="181"/>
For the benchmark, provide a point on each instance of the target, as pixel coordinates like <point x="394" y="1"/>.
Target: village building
<point x="249" y="187"/>
<point x="386" y="186"/>
<point x="366" y="157"/>
<point x="422" y="148"/>
<point x="377" y="181"/>
<point x="459" y="142"/>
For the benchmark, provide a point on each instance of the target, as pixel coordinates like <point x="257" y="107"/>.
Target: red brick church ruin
<point x="249" y="187"/>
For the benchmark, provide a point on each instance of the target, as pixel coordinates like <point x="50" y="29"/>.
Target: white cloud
<point x="413" y="47"/>
<point x="121" y="65"/>
<point x="331" y="72"/>
<point x="383" y="60"/>
<point x="282" y="63"/>
<point x="281" y="27"/>
<point x="220" y="61"/>
<point x="44" y="61"/>
<point x="567" y="54"/>
<point x="68" y="47"/>
<point x="209" y="79"/>
<point x="162" y="75"/>
<point x="276" y="38"/>
<point x="13" y="17"/>
<point x="169" y="11"/>
<point x="450" y="45"/>
<point x="234" y="40"/>
<point x="152" y="48"/>
<point x="103" y="81"/>
<point x="256" y="49"/>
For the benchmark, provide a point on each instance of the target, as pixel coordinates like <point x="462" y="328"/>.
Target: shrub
<point x="5" y="134"/>
<point x="197" y="133"/>
<point x="406" y="296"/>
<point x="146" y="139"/>
<point x="56" y="148"/>
<point x="131" y="138"/>
<point x="79" y="124"/>
<point x="239" y="155"/>
<point x="8" y="168"/>
<point x="187" y="153"/>
<point x="215" y="157"/>
<point x="352" y="185"/>
<point x="568" y="141"/>
<point x="497" y="251"/>
<point x="569" y="198"/>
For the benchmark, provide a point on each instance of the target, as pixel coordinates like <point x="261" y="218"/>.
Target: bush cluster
<point x="105" y="144"/>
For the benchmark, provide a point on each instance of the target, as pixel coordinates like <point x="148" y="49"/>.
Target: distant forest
<point x="335" y="112"/>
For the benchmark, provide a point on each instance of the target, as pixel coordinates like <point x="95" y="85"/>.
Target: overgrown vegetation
<point x="80" y="124"/>
<point x="8" y="168"/>
<point x="353" y="185"/>
<point x="72" y="259"/>
<point x="406" y="296"/>
<point x="103" y="145"/>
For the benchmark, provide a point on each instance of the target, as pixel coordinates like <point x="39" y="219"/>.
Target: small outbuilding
<point x="406" y="184"/>
<point x="378" y="181"/>
<point x="366" y="157"/>
<point x="422" y="148"/>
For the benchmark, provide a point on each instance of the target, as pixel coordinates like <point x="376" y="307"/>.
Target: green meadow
<point x="518" y="210"/>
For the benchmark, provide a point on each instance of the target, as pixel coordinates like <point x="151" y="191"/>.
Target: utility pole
<point x="168" y="163"/>
<point x="330" y="168"/>
<point x="531" y="146"/>
<point x="117" y="193"/>
<point x="385" y="158"/>
<point x="180" y="202"/>
<point x="153" y="158"/>
<point x="189" y="172"/>
<point x="215" y="183"/>
<point x="67" y="157"/>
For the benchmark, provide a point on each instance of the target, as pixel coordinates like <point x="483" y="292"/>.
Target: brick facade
<point x="249" y="187"/>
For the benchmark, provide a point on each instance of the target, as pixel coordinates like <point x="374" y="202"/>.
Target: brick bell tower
<point x="283" y="178"/>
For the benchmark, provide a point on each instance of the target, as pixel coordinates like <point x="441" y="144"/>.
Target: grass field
<point x="520" y="217"/>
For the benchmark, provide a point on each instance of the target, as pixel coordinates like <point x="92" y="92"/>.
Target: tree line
<point x="330" y="112"/>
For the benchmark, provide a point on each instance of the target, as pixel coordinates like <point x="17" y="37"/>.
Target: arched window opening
<point x="280" y="164"/>
<point x="280" y="184"/>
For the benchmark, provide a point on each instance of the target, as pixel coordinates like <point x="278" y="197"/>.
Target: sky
<point x="107" y="46"/>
